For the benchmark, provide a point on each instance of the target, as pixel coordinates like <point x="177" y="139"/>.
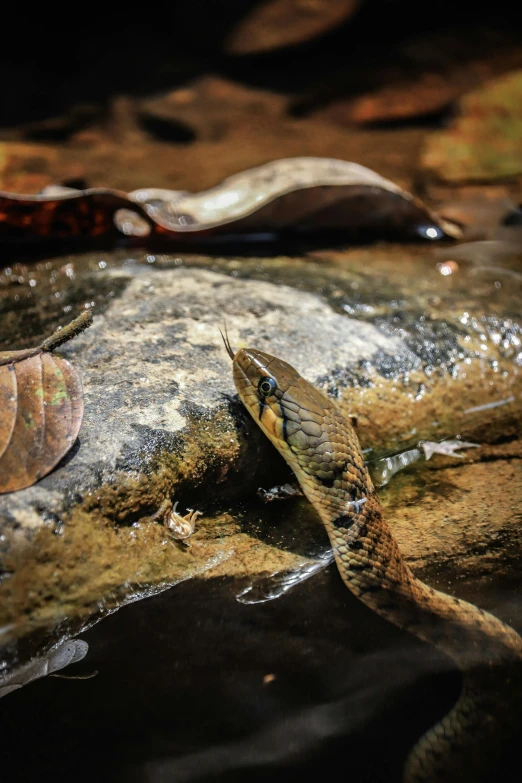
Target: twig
<point x="62" y="336"/>
<point x="58" y="338"/>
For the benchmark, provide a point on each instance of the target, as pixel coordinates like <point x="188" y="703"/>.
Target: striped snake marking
<point x="323" y="450"/>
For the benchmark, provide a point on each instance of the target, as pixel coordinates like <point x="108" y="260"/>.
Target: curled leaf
<point x="41" y="409"/>
<point x="293" y="193"/>
<point x="312" y="193"/>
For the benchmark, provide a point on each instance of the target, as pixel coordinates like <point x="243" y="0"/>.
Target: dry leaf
<point x="273" y="24"/>
<point x="292" y="193"/>
<point x="41" y="409"/>
<point x="309" y="193"/>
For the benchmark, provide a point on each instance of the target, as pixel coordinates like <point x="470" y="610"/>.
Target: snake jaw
<point x="249" y="367"/>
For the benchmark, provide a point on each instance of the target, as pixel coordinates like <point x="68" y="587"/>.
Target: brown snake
<point x="323" y="450"/>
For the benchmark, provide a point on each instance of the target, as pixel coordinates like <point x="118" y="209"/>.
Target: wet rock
<point x="157" y="384"/>
<point x="485" y="141"/>
<point x="461" y="518"/>
<point x="161" y="423"/>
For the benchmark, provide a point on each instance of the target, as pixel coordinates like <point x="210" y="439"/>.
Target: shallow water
<point x="192" y="685"/>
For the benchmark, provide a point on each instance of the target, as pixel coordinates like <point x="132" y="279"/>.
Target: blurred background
<point x="184" y="94"/>
<point x="194" y="684"/>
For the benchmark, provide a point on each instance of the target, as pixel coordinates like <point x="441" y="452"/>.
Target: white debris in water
<point x="66" y="653"/>
<point x="383" y="469"/>
<point x="447" y="447"/>
<point x="280" y="582"/>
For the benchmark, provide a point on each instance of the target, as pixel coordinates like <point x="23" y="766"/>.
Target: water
<point x="193" y="685"/>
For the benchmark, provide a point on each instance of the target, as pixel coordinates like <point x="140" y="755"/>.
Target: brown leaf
<point x="293" y="193"/>
<point x="277" y="23"/>
<point x="41" y="409"/>
<point x="69" y="213"/>
<point x="309" y="192"/>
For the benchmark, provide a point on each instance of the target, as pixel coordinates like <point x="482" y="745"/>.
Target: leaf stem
<point x="65" y="334"/>
<point x="57" y="338"/>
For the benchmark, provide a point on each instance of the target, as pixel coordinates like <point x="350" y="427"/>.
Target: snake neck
<point x="373" y="568"/>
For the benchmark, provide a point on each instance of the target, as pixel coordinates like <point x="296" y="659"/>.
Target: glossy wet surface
<point x="193" y="685"/>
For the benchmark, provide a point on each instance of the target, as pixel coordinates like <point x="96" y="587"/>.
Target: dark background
<point x="52" y="59"/>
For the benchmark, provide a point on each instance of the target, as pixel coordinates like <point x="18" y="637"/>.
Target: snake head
<point x="261" y="381"/>
<point x="289" y="410"/>
<point x="306" y="427"/>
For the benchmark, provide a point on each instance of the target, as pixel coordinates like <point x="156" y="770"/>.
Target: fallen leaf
<point x="60" y="213"/>
<point x="274" y="24"/>
<point x="307" y="193"/>
<point x="41" y="409"/>
<point x="428" y="74"/>
<point x="290" y="194"/>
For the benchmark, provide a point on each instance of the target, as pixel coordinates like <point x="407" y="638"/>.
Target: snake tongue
<point x="226" y="342"/>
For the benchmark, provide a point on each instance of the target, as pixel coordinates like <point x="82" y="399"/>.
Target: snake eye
<point x="266" y="387"/>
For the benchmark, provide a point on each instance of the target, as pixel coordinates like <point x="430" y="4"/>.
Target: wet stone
<point x="162" y="420"/>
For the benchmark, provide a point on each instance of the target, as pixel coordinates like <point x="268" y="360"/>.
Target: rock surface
<point x="161" y="420"/>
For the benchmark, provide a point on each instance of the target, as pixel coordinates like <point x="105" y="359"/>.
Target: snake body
<point x="322" y="448"/>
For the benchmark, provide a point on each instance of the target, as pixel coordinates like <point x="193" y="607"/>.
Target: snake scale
<point x="323" y="450"/>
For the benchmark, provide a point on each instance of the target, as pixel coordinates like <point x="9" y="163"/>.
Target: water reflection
<point x="280" y="582"/>
<point x="193" y="686"/>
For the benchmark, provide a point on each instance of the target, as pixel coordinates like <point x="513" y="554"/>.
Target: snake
<point x="322" y="448"/>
